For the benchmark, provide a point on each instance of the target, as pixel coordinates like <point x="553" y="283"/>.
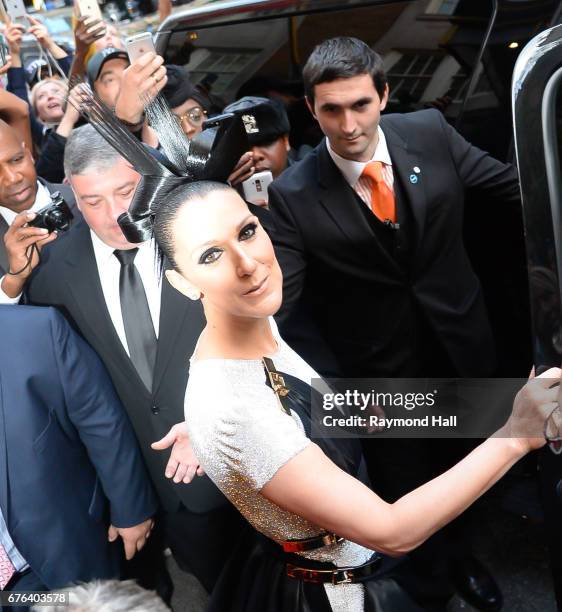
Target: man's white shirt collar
<point x="42" y="199"/>
<point x="352" y="170"/>
<point x="105" y="253"/>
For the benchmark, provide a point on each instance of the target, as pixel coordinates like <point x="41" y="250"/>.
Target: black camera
<point x="54" y="217"/>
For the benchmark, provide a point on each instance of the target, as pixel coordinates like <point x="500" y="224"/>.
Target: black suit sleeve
<point x="290" y="251"/>
<point x="95" y="410"/>
<point x="50" y="164"/>
<point x="479" y="171"/>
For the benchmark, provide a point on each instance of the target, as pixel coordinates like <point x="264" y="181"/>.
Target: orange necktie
<point x="383" y="204"/>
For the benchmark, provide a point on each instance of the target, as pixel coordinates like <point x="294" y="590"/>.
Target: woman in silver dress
<point x="291" y="490"/>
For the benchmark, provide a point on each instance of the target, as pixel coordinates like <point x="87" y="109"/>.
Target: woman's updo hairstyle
<point x="168" y="211"/>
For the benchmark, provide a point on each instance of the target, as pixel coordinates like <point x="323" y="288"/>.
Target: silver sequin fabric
<point x="242" y="437"/>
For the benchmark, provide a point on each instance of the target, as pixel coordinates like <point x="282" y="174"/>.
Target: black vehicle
<point x="537" y="108"/>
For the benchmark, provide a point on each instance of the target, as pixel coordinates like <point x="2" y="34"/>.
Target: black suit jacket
<point x="68" y="278"/>
<point x="349" y="306"/>
<point x="68" y="196"/>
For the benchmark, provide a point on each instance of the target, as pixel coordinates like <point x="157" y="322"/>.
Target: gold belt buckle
<point x="347" y="577"/>
<point x="314" y="543"/>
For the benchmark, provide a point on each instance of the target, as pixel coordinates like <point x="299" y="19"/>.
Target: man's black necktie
<point x="139" y="329"/>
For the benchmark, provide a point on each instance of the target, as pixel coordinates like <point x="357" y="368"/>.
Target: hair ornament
<point x="210" y="155"/>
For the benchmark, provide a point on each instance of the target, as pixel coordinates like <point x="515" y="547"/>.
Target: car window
<point x="430" y="50"/>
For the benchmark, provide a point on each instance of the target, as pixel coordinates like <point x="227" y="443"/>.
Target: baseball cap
<point x="98" y="60"/>
<point x="265" y="119"/>
<point x="33" y="69"/>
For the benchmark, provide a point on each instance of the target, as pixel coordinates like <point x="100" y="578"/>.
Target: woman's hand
<point x="39" y="30"/>
<point x="183" y="465"/>
<point x="86" y="32"/>
<point x="14" y="33"/>
<point x="41" y="33"/>
<point x="72" y="111"/>
<point x="534" y="404"/>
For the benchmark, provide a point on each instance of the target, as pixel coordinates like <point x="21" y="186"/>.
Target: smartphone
<point x="255" y="188"/>
<point x="138" y="45"/>
<point x="15" y="10"/>
<point x="89" y="8"/>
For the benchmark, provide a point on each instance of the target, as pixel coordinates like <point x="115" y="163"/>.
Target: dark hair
<point x="169" y="209"/>
<point x="342" y="58"/>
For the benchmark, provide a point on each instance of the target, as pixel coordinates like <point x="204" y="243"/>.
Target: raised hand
<point x="86" y="32"/>
<point x="141" y="81"/>
<point x="13" y="34"/>
<point x="243" y="169"/>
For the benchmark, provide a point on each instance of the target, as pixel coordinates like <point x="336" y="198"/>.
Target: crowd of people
<point x="164" y="402"/>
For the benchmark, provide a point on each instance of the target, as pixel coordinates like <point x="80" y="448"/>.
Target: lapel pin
<point x="413" y="178"/>
<point x="416" y="169"/>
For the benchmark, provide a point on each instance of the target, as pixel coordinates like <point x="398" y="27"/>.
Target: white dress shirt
<point x="19" y="563"/>
<point x="352" y="170"/>
<point x="109" y="270"/>
<point x="42" y="199"/>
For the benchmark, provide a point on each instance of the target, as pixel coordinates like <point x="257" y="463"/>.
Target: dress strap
<point x="276" y="381"/>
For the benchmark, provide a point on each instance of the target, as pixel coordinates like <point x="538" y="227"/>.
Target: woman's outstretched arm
<point x="313" y="487"/>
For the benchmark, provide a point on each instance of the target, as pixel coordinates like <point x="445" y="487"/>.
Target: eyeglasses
<point x="195" y="116"/>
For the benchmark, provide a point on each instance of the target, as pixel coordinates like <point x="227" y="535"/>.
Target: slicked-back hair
<point x="343" y="57"/>
<point x="169" y="209"/>
<point x="87" y="152"/>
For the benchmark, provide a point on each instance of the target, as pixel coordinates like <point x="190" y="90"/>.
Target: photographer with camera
<point x="22" y="196"/>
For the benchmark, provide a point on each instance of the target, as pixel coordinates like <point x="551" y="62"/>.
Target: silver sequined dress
<point x="241" y="438"/>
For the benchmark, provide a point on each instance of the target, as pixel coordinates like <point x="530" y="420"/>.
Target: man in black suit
<point x="145" y="332"/>
<point x="72" y="478"/>
<point x="22" y="194"/>
<point x="377" y="282"/>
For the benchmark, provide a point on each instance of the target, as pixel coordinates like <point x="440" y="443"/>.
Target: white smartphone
<point x="15" y="10"/>
<point x="88" y="8"/>
<point x="138" y="45"/>
<point x="255" y="188"/>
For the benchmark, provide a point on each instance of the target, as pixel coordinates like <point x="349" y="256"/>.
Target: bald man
<point x="22" y="194"/>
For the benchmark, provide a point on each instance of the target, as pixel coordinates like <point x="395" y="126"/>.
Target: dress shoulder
<point x="236" y="424"/>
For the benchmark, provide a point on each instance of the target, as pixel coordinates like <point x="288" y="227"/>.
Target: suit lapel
<point x="404" y="162"/>
<point x="82" y="278"/>
<point x="3" y="253"/>
<point x="177" y="314"/>
<point x="337" y="197"/>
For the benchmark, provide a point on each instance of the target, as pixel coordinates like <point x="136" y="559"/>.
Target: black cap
<point x="179" y="88"/>
<point x="98" y="60"/>
<point x="265" y="119"/>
